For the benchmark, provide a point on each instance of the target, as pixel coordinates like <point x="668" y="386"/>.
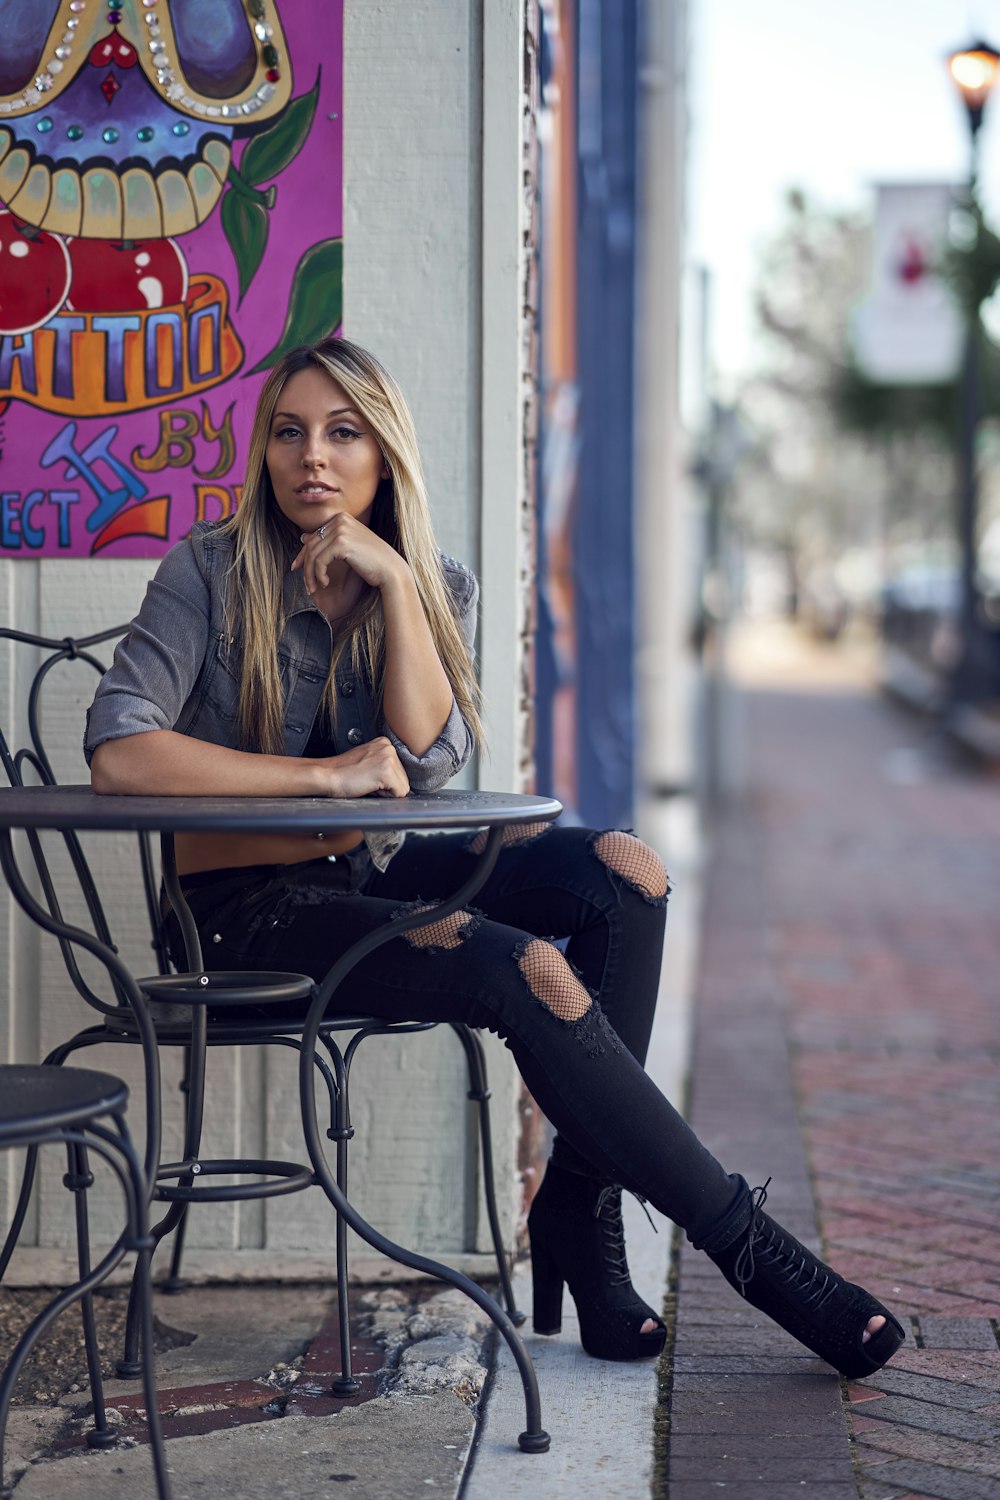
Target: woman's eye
<point x="346" y="434"/>
<point x="286" y="432"/>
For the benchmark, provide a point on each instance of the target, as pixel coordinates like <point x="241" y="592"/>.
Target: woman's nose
<point x="312" y="453"/>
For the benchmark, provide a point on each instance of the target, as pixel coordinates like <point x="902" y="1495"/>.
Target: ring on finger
<point x="321" y="531"/>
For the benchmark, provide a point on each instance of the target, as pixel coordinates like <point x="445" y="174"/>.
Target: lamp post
<point x="974" y="70"/>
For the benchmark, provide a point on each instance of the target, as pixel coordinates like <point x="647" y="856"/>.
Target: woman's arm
<point x="416" y="694"/>
<point x="161" y="762"/>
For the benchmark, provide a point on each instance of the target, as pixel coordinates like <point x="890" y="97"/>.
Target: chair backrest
<point x="34" y="758"/>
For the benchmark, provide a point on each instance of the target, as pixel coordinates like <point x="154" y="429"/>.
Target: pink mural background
<point x="123" y="424"/>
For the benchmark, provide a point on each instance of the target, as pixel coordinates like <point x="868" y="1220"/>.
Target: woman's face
<point x="321" y="455"/>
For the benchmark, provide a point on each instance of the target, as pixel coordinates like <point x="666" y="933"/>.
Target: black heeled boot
<point x="778" y="1275"/>
<point x="578" y="1239"/>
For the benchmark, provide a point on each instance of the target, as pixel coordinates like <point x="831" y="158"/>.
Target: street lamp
<point x="974" y="70"/>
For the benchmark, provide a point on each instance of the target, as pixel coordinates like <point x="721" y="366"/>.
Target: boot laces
<point x="608" y="1209"/>
<point x="790" y="1261"/>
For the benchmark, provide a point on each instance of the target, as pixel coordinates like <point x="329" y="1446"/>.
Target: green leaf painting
<point x="315" y="306"/>
<point x="245" y="225"/>
<point x="244" y="208"/>
<point x="270" y="152"/>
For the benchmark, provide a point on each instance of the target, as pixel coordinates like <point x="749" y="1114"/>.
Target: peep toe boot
<point x="578" y="1239"/>
<point x="778" y="1275"/>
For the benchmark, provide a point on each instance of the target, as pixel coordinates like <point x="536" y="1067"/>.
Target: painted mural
<point x="170" y="224"/>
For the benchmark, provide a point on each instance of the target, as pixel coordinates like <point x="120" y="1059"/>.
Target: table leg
<point x="534" y="1439"/>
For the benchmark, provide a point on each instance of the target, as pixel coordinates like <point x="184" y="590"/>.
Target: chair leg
<point x="346" y="1383"/>
<point x="174" y="1282"/>
<point x="78" y="1179"/>
<point x="20" y="1213"/>
<point x="129" y="1367"/>
<point x="194" y="1086"/>
<point x="479" y="1093"/>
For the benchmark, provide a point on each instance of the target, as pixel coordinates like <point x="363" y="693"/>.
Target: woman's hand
<point x="344" y="539"/>
<point x="373" y="767"/>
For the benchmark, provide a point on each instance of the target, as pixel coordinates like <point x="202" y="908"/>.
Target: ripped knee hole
<point x="552" y="982"/>
<point x="449" y="932"/>
<point x="637" y="864"/>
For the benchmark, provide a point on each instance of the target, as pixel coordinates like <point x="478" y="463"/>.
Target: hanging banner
<point x="170" y="224"/>
<point x="909" y="330"/>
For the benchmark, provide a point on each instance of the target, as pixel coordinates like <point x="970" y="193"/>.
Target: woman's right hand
<point x="372" y="767"/>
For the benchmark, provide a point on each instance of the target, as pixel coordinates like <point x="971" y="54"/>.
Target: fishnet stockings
<point x="552" y="981"/>
<point x="515" y="833"/>
<point x="634" y="861"/>
<point x="450" y="932"/>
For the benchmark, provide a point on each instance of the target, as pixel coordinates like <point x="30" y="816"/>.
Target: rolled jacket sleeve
<point x="156" y="666"/>
<point x="455" y="744"/>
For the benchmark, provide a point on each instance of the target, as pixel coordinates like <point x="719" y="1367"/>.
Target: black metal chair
<point x="84" y="1111"/>
<point x="125" y="1022"/>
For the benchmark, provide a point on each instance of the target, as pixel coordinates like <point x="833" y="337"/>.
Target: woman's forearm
<point x="416" y="694"/>
<point x="162" y="762"/>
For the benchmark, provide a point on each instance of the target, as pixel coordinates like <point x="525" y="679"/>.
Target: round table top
<point x="41" y="1096"/>
<point x="79" y="808"/>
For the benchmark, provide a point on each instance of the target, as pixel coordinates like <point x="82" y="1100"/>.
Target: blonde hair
<point x="264" y="541"/>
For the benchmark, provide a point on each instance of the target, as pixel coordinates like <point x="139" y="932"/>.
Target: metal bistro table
<point x="77" y="808"/>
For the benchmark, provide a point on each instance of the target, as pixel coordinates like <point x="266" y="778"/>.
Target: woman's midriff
<point x="222" y="851"/>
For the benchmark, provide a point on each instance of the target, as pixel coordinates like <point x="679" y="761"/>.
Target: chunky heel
<point x="577" y="1238"/>
<point x="546" y="1290"/>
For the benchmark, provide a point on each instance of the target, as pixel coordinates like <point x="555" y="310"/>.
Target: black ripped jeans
<point x="586" y="1074"/>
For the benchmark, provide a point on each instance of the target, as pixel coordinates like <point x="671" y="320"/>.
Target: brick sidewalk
<point x="847" y="1040"/>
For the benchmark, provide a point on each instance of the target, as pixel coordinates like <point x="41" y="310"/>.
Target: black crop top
<point x="322" y="740"/>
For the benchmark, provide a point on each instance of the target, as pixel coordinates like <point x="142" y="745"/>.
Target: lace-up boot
<point x="578" y="1239"/>
<point x="778" y="1275"/>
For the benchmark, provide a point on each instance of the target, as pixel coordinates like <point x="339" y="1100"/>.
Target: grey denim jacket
<point x="177" y="669"/>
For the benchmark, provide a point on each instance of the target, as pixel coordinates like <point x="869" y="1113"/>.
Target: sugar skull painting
<point x="170" y="224"/>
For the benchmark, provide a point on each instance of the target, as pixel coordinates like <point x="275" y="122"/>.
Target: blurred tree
<point x="842" y="467"/>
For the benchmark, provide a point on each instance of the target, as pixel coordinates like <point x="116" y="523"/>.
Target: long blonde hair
<point x="264" y="541"/>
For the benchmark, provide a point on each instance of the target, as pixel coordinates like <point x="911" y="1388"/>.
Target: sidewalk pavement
<point x="846" y="1031"/>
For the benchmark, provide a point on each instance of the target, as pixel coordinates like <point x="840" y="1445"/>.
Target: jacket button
<point x="346" y="689"/>
<point x="354" y="736"/>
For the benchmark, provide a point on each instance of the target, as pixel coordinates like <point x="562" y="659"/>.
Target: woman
<point x="318" y="644"/>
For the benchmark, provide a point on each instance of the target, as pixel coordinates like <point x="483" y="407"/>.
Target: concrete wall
<point x="434" y="275"/>
<point x="667" y="524"/>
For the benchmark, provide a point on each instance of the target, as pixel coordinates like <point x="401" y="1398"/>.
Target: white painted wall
<point x="666" y="672"/>
<point x="433" y="198"/>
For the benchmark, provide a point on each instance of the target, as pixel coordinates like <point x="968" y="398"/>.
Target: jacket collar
<point x="294" y="597"/>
